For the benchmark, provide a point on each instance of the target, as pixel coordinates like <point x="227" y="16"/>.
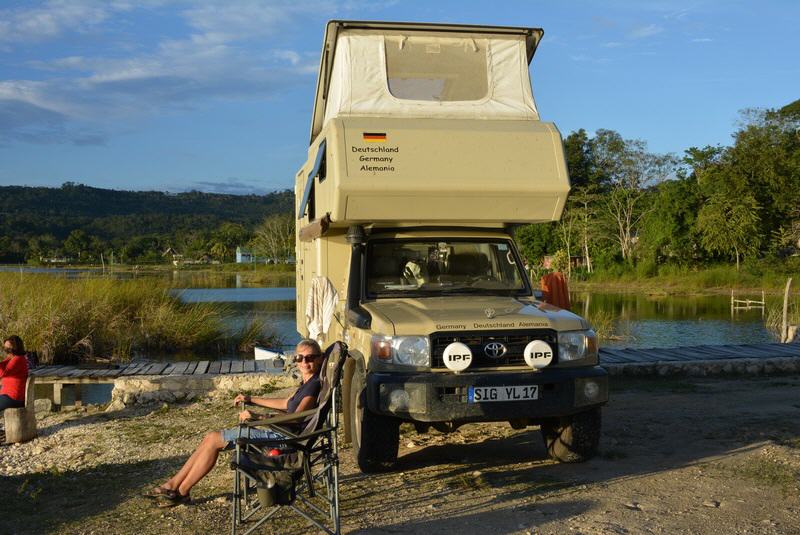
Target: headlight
<point x="402" y="350"/>
<point x="577" y="345"/>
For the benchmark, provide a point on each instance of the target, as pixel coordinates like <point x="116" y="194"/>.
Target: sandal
<point x="172" y="500"/>
<point x="158" y="492"/>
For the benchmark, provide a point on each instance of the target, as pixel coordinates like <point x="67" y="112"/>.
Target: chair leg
<point x="235" y="512"/>
<point x="335" y="504"/>
<point x="236" y="515"/>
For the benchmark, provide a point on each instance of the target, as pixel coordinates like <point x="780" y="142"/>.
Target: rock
<point x="115" y="405"/>
<point x="633" y="506"/>
<point x="410" y="444"/>
<point x="43" y="405"/>
<point x="711" y="503"/>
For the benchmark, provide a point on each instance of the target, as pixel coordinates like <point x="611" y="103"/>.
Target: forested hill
<point x="36" y="221"/>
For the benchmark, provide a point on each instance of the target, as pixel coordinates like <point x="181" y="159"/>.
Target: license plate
<point x="481" y="394"/>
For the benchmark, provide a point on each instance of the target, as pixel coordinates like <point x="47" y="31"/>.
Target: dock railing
<point x="748" y="304"/>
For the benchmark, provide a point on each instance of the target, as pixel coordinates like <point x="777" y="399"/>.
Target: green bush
<point x="72" y="319"/>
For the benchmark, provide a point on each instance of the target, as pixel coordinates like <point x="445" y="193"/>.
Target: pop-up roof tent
<point x="430" y="123"/>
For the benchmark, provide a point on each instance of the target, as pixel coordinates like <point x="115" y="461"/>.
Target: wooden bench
<point x="21" y="423"/>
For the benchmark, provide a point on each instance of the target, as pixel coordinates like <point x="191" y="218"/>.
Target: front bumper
<point x="443" y="397"/>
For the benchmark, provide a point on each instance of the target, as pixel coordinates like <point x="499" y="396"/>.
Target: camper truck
<point x="426" y="150"/>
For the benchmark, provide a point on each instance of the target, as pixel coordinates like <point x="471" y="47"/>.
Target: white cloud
<point x="702" y="40"/>
<point x="643" y="32"/>
<point x="287" y="55"/>
<point x="232" y="50"/>
<point x="612" y="44"/>
<point x="53" y="18"/>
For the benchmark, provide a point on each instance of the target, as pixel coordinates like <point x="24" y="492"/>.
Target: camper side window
<point x="436" y="69"/>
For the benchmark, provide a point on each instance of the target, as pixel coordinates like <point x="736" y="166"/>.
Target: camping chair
<point x="303" y="474"/>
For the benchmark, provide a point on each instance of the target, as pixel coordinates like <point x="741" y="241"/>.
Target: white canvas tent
<point x="425" y="124"/>
<point x="425" y="71"/>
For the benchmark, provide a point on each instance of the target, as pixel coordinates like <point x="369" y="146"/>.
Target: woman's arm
<point x="269" y="403"/>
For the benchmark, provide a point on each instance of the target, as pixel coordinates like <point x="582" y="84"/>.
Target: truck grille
<point x="515" y="342"/>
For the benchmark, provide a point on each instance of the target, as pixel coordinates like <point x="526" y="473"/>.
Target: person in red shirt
<point x="13" y="374"/>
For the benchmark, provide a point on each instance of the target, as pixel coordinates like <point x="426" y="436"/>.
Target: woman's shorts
<point x="230" y="435"/>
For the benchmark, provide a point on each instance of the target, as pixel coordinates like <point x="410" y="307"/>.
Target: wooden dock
<point x="698" y="353"/>
<point x="77" y="375"/>
<point x="70" y="377"/>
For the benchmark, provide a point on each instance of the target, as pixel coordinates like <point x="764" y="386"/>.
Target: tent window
<point x="430" y="69"/>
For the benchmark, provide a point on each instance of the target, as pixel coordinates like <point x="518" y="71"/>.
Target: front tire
<point x="573" y="439"/>
<point x="375" y="438"/>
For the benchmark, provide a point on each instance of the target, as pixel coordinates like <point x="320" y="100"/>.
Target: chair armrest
<point x="268" y="409"/>
<point x="282" y="418"/>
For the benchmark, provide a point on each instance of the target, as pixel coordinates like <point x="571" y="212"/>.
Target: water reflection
<point x="672" y="321"/>
<point x="234" y="295"/>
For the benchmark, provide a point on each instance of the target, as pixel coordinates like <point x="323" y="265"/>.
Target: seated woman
<point x="176" y="490"/>
<point x="13" y="374"/>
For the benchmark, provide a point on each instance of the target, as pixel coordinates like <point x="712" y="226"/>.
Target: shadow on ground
<point x="42" y="502"/>
<point x="650" y="426"/>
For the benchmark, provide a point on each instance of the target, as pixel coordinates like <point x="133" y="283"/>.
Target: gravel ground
<point x="678" y="455"/>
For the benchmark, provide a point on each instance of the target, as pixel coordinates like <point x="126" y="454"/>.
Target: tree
<point x="77" y="244"/>
<point x="583" y="209"/>
<point x="669" y="230"/>
<point x="219" y="250"/>
<point x="142" y="249"/>
<point x="729" y="225"/>
<point x="570" y="220"/>
<point x="231" y="234"/>
<point x="763" y="165"/>
<point x="275" y="238"/>
<point x="630" y="169"/>
<point x="40" y="247"/>
<point x="535" y="241"/>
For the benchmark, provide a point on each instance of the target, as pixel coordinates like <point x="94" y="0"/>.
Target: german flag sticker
<point x="375" y="137"/>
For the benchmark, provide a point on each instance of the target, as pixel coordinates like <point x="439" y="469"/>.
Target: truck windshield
<point x="437" y="267"/>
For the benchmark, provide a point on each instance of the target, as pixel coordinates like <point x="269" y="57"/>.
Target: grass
<point x="774" y="315"/>
<point x="68" y="320"/>
<point x="682" y="279"/>
<point x="771" y="473"/>
<point x="608" y="326"/>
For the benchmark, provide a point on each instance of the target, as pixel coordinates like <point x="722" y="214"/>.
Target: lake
<point x="639" y="320"/>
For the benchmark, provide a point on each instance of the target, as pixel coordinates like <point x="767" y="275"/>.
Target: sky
<point x="217" y="95"/>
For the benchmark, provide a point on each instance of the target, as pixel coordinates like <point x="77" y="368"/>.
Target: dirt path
<point x="678" y="456"/>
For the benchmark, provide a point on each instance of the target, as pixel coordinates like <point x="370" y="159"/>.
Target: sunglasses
<point x="306" y="358"/>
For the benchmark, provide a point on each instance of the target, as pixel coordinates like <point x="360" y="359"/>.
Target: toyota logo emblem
<point x="494" y="350"/>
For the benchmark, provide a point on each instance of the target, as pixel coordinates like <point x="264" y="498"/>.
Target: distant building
<point x="177" y="258"/>
<point x="246" y="256"/>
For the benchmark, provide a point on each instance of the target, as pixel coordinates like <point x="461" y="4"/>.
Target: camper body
<point x="426" y="150"/>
